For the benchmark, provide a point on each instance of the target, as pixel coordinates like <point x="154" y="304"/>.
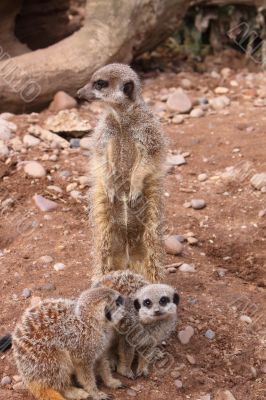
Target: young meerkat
<point x="58" y="338"/>
<point x="127" y="175"/>
<point x="150" y="318"/>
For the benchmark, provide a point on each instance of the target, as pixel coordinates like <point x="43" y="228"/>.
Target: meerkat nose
<point x="79" y="94"/>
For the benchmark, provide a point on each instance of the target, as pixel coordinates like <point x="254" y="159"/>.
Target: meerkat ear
<point x="176" y="298"/>
<point x="136" y="304"/>
<point x="128" y="89"/>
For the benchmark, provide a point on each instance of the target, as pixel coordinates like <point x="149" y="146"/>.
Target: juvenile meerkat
<point x="58" y="338"/>
<point x="150" y="318"/>
<point x="127" y="174"/>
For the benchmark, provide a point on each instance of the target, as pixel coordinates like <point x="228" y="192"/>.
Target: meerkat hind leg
<point x="73" y="393"/>
<point x="126" y="357"/>
<point x="106" y="375"/>
<point x="44" y="393"/>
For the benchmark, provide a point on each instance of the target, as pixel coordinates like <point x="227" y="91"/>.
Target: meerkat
<point x="150" y="318"/>
<point x="127" y="175"/>
<point x="58" y="338"/>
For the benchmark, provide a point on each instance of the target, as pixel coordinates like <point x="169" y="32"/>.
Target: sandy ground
<point x="229" y="258"/>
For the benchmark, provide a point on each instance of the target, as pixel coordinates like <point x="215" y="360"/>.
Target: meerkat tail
<point x="43" y="393"/>
<point x="5" y="343"/>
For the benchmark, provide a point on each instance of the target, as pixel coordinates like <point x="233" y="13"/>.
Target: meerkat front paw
<point x="127" y="372"/>
<point x="74" y="393"/>
<point x="103" y="396"/>
<point x="115" y="384"/>
<point x="144" y="371"/>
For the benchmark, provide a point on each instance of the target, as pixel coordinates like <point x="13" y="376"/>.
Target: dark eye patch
<point x="176" y="298"/>
<point x="100" y="84"/>
<point x="147" y="303"/>
<point x="164" y="300"/>
<point x="108" y="314"/>
<point x="119" y="301"/>
<point x="136" y="304"/>
<point x="128" y="89"/>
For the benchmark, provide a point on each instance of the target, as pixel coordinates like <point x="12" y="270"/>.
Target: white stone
<point x="185" y="335"/>
<point x="187" y="268"/>
<point x="30" y="141"/>
<point x="86" y="143"/>
<point x="221" y="90"/>
<point x="59" y="266"/>
<point x="258" y="181"/>
<point x="4" y="152"/>
<point x="179" y="101"/>
<point x="175" y="159"/>
<point x="178" y="119"/>
<point x="196" y="113"/>
<point x="218" y="103"/>
<point x="34" y="169"/>
<point x="202" y="177"/>
<point x="246" y="318"/>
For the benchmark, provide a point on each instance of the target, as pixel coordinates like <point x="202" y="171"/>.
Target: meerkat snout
<point x="113" y="84"/>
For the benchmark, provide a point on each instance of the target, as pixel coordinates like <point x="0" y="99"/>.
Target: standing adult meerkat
<point x="127" y="174"/>
<point x="58" y="338"/>
<point x="150" y="318"/>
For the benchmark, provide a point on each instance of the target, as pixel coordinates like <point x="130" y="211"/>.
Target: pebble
<point x="45" y="259"/>
<point x="175" y="159"/>
<point x="246" y="318"/>
<point x="84" y="180"/>
<point x="180" y="238"/>
<point x="131" y="393"/>
<point x="175" y="374"/>
<point x="196" y="113"/>
<point x="75" y="143"/>
<point x="186" y="83"/>
<point x="209" y="334"/>
<point x="203" y="100"/>
<point x="202" y="177"/>
<point x="54" y="188"/>
<point x="30" y="141"/>
<point x="16" y="144"/>
<point x="263" y="368"/>
<point x="17" y="378"/>
<point x="19" y="386"/>
<point x="86" y="143"/>
<point x="6" y="129"/>
<point x="205" y="397"/>
<point x="191" y="359"/>
<point x="258" y="181"/>
<point x="62" y="101"/>
<point x="192" y="240"/>
<point x="224" y="395"/>
<point x="172" y="245"/>
<point x="262" y="213"/>
<point x="53" y="157"/>
<point x="178" y="119"/>
<point x="225" y="72"/>
<point x="198" y="204"/>
<point x="34" y="169"/>
<point x="6" y="380"/>
<point x="59" y="266"/>
<point x="44" y="204"/>
<point x="185" y="335"/>
<point x="178" y="384"/>
<point x="179" y="101"/>
<point x="75" y="194"/>
<point x="221" y="90"/>
<point x="187" y="268"/>
<point x="218" y="103"/>
<point x="71" y="186"/>
<point x="4" y="152"/>
<point x="26" y="293"/>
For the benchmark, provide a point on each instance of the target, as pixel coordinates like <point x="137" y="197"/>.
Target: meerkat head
<point x="156" y="302"/>
<point x="115" y="84"/>
<point x="102" y="304"/>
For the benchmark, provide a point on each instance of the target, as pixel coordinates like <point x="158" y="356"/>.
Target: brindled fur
<point x="58" y="338"/>
<point x="127" y="175"/>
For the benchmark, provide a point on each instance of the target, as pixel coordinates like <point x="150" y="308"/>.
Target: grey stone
<point x="185" y="335"/>
<point x="175" y="159"/>
<point x="179" y="101"/>
<point x="74" y="143"/>
<point x="196" y="113"/>
<point x="26" y="293"/>
<point x="198" y="204"/>
<point x="218" y="103"/>
<point x="172" y="245"/>
<point x="187" y="268"/>
<point x="209" y="334"/>
<point x="6" y="380"/>
<point x="44" y="204"/>
<point x="178" y="384"/>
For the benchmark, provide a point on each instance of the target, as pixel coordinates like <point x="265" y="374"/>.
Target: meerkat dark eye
<point x="119" y="301"/>
<point x="128" y="89"/>
<point x="100" y="84"/>
<point x="147" y="303"/>
<point x="164" y="300"/>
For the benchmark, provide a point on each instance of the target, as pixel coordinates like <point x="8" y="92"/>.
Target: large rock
<point x="62" y="101"/>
